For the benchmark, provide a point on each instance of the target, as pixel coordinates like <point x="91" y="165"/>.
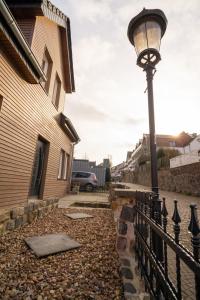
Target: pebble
<point x="90" y="272"/>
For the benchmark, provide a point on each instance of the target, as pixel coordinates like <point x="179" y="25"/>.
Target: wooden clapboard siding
<point x="27" y="28"/>
<point x="27" y="113"/>
<point x="47" y="34"/>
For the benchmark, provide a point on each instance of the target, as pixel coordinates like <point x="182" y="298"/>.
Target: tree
<point x="108" y="175"/>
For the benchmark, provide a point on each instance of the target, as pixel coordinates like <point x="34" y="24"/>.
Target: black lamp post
<point x="145" y="32"/>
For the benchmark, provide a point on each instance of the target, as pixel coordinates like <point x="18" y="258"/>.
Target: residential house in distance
<point x="116" y="171"/>
<point x="191" y="154"/>
<point x="141" y="153"/>
<point x="36" y="71"/>
<point x="142" y="149"/>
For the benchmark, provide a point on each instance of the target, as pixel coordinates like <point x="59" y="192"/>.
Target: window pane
<point x="65" y="167"/>
<point x="55" y="88"/>
<point x="45" y="65"/>
<point x="47" y="68"/>
<point x="56" y="91"/>
<point x="61" y="164"/>
<point x="82" y="175"/>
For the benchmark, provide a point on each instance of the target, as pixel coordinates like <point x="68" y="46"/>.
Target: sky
<point x="109" y="108"/>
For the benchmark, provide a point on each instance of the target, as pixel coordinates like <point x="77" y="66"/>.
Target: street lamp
<point x="145" y="32"/>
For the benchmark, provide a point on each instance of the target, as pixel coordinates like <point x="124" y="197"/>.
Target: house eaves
<point x="32" y="8"/>
<point x="17" y="48"/>
<point x="69" y="129"/>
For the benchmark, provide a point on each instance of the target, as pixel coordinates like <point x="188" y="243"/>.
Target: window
<point x="63" y="165"/>
<point x="56" y="91"/>
<point x="1" y="101"/>
<point x="47" y="64"/>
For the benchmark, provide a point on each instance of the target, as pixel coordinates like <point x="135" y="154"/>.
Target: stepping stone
<point x="78" y="216"/>
<point x="50" y="244"/>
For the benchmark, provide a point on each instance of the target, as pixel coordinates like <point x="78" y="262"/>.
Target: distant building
<point x="191" y="154"/>
<point x="128" y="156"/>
<point x="162" y="141"/>
<point x="116" y="171"/>
<point x="106" y="163"/>
<point x="141" y="153"/>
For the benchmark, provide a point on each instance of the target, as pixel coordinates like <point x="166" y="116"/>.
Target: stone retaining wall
<point x="122" y="203"/>
<point x="184" y="179"/>
<point x="18" y="216"/>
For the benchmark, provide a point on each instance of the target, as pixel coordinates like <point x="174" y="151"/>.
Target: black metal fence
<point x="153" y="244"/>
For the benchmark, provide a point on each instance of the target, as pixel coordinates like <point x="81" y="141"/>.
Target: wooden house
<point x="36" y="72"/>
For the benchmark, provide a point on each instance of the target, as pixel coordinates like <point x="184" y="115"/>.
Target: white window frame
<point x="63" y="165"/>
<point x="56" y="91"/>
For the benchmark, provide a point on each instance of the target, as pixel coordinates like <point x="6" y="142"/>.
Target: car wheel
<point x="89" y="187"/>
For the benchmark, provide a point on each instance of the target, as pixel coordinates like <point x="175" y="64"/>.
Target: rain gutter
<point x="18" y="34"/>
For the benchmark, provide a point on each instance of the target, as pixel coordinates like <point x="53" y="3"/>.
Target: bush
<point x="169" y="153"/>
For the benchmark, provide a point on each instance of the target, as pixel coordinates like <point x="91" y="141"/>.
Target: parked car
<point x="86" y="180"/>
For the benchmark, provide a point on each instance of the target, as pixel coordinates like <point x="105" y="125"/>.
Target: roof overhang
<point x="32" y="8"/>
<point x="69" y="129"/>
<point x="15" y="46"/>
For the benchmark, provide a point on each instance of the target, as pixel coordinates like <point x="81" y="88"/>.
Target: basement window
<point x="56" y="91"/>
<point x="47" y="64"/>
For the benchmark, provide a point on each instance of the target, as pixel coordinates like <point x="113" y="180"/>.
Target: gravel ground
<point x="90" y="272"/>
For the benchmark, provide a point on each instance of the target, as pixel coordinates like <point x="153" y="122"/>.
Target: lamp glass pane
<point x="153" y="34"/>
<point x="147" y="35"/>
<point x="140" y="38"/>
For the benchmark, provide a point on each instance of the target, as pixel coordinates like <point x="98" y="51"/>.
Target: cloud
<point x="86" y="112"/>
<point x="133" y="121"/>
<point x="109" y="105"/>
<point x="92" y="52"/>
<point x="92" y="10"/>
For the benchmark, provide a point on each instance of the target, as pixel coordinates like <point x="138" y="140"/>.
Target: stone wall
<point x="184" y="179"/>
<point x="18" y="216"/>
<point x="122" y="203"/>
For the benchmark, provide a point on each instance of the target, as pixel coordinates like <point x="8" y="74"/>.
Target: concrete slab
<point x="92" y="204"/>
<point x="78" y="216"/>
<point x="50" y="244"/>
<point x="68" y="200"/>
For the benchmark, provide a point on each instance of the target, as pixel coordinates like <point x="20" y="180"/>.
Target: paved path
<point x="183" y="207"/>
<point x="185" y="237"/>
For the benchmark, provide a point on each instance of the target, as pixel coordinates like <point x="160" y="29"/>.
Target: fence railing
<point x="153" y="244"/>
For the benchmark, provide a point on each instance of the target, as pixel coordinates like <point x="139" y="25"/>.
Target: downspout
<point x="18" y="34"/>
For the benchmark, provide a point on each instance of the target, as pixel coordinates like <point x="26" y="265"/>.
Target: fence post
<point x="195" y="239"/>
<point x="156" y="216"/>
<point x="176" y="219"/>
<point x="164" y="212"/>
